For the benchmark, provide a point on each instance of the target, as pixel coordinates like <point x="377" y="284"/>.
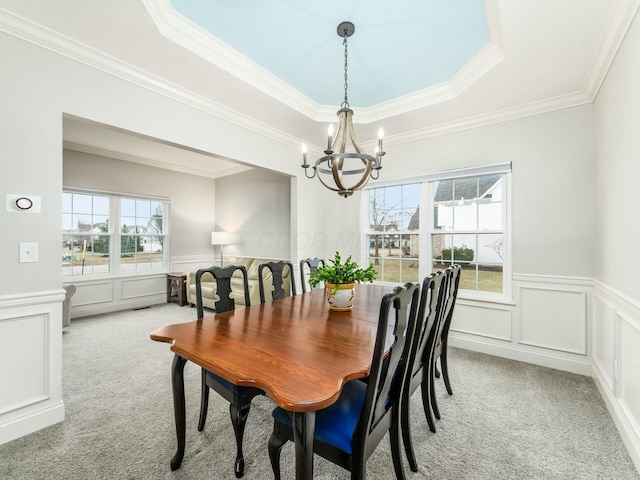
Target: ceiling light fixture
<point x="337" y="163"/>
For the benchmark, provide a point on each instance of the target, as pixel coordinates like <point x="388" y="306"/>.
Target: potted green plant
<point x="340" y="280"/>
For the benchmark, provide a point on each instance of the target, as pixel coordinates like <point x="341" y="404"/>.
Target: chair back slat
<point x="431" y="303"/>
<point x="277" y="273"/>
<point x="450" y="296"/>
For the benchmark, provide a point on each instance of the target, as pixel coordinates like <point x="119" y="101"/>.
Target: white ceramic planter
<point x="342" y="300"/>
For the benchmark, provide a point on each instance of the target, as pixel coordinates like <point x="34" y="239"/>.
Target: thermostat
<point x="23" y="203"/>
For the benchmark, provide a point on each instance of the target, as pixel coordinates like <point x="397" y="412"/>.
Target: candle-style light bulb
<point x="304" y="155"/>
<point x="380" y="137"/>
<point x="330" y="139"/>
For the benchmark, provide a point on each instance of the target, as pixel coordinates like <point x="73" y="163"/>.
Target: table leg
<point x="304" y="425"/>
<point x="177" y="382"/>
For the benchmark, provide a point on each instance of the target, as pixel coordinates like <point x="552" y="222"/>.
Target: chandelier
<point x="341" y="171"/>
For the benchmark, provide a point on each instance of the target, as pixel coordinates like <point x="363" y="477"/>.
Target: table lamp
<point x="222" y="239"/>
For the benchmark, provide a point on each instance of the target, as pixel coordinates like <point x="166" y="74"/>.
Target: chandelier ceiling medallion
<point x="341" y="171"/>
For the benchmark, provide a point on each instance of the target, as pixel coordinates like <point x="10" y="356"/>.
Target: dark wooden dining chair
<point x="310" y="264"/>
<point x="419" y="371"/>
<point x="348" y="432"/>
<point x="442" y="335"/>
<point x="277" y="270"/>
<point x="239" y="397"/>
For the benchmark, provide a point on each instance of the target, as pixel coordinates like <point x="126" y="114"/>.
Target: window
<point x="393" y="238"/>
<point x="468" y="229"/>
<point x="92" y="246"/>
<point x="464" y="222"/>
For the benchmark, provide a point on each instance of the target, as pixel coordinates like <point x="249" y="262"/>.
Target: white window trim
<point x="426" y="228"/>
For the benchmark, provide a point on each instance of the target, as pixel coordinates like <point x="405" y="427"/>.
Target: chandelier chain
<point x="345" y="104"/>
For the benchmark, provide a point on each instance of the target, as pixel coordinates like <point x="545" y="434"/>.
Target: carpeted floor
<point x="506" y="419"/>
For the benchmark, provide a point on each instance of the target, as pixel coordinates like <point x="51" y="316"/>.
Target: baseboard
<point x="544" y="359"/>
<point x="100" y="308"/>
<point x="629" y="434"/>
<point x="31" y="422"/>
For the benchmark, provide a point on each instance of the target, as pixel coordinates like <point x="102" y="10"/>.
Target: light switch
<point x="28" y="252"/>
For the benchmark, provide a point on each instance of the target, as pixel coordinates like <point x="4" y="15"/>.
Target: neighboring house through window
<point x="92" y="246"/>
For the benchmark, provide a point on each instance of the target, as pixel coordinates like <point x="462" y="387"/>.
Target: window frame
<point x="426" y="228"/>
<point x="114" y="219"/>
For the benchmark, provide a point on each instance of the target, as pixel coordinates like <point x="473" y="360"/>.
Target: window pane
<point x="66" y="202"/>
<point x="468" y="278"/>
<point x="441" y="248"/>
<point x="410" y="271"/>
<point x="101" y="206"/>
<point x="443" y="216"/>
<point x="490" y="248"/>
<point x="490" y="216"/>
<point x="443" y="191"/>
<point x="127" y="207"/>
<point x="465" y="215"/>
<point x="82" y="203"/>
<point x="465" y="189"/>
<point x="490" y="278"/>
<point x="464" y="248"/>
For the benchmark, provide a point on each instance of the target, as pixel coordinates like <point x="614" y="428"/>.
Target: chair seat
<point x="335" y="424"/>
<point x="227" y="385"/>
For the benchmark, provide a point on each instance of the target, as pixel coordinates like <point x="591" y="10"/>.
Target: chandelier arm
<point x="335" y="171"/>
<point x="314" y="173"/>
<point x="356" y="145"/>
<point x="330" y="187"/>
<point x="365" y="177"/>
<point x="340" y="143"/>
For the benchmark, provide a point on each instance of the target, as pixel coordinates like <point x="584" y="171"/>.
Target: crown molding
<point x="77" y="147"/>
<point x="622" y="15"/>
<point x="512" y="113"/>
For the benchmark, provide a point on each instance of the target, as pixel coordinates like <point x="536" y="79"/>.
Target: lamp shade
<point x="220" y="238"/>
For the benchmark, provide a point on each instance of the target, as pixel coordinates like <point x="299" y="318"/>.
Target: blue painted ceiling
<point x="398" y="47"/>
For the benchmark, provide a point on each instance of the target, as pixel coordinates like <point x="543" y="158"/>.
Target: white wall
<point x="616" y="329"/>
<point x="255" y="206"/>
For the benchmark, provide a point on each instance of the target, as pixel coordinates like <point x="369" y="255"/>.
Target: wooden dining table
<point x="295" y="349"/>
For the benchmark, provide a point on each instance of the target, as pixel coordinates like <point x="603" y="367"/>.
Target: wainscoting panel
<point x="92" y="292"/>
<point x="616" y="361"/>
<point x="604" y="335"/>
<point x="553" y="318"/>
<point x="118" y="293"/>
<point x="547" y="324"/>
<point x="30" y="363"/>
<point x="630" y="367"/>
<point x="143" y="287"/>
<point x="28" y="335"/>
<point x="486" y="320"/>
